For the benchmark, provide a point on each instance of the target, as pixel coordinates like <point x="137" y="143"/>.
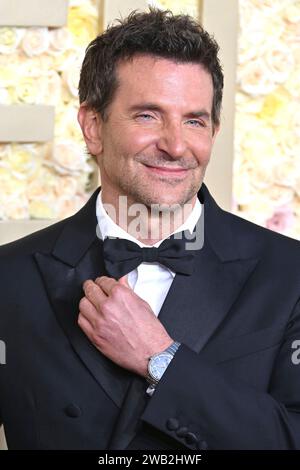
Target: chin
<point x="166" y="200"/>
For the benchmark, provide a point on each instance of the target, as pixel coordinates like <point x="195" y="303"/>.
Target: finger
<point x="124" y="281"/>
<point x="87" y="309"/>
<point x="106" y="284"/>
<point x="85" y="325"/>
<point x="94" y="293"/>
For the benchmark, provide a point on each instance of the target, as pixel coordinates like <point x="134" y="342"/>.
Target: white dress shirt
<point x="150" y="281"/>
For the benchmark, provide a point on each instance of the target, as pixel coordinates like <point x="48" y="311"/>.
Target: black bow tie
<point x="122" y="256"/>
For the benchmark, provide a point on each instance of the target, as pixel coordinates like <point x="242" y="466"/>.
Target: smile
<point x="175" y="172"/>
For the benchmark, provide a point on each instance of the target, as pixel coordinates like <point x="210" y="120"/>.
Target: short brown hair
<point x="158" y="33"/>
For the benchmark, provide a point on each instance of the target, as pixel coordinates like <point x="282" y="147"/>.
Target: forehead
<point x="145" y="77"/>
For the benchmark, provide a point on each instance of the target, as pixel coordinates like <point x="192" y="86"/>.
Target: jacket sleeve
<point x="202" y="407"/>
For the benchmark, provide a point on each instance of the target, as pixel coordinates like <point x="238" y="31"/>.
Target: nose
<point x="172" y="141"/>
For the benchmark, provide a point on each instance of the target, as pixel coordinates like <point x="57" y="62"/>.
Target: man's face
<point x="158" y="136"/>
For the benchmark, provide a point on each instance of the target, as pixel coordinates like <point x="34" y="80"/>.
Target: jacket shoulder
<point x="250" y="236"/>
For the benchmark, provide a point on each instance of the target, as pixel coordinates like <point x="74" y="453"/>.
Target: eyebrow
<point x="154" y="107"/>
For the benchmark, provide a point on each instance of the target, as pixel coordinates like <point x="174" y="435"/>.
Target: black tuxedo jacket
<point x="233" y="384"/>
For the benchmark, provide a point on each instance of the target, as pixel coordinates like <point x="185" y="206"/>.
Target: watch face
<point x="158" y="365"/>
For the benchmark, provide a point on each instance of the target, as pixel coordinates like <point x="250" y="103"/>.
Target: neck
<point x="147" y="224"/>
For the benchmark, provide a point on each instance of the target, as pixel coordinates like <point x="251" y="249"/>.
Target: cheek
<point x="203" y="151"/>
<point x="139" y="137"/>
<point x="131" y="144"/>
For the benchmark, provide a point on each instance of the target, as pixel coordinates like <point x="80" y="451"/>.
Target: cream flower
<point x="69" y="158"/>
<point x="287" y="173"/>
<point x="60" y="40"/>
<point x="11" y="187"/>
<point x="246" y="104"/>
<point x="242" y="189"/>
<point x="27" y="90"/>
<point x="289" y="142"/>
<point x="66" y="125"/>
<point x="4" y="96"/>
<point x="71" y="74"/>
<point x="5" y="150"/>
<point x="292" y="84"/>
<point x="7" y="75"/>
<point x="15" y="209"/>
<point x="10" y="38"/>
<point x="279" y="195"/>
<point x="280" y="62"/>
<point x="83" y="23"/>
<point x="255" y="78"/>
<point x="275" y="107"/>
<point x="292" y="12"/>
<point x="52" y="88"/>
<point x="23" y="161"/>
<point x="42" y="209"/>
<point x="68" y="206"/>
<point x="35" y="41"/>
<point x="267" y="139"/>
<point x="43" y="185"/>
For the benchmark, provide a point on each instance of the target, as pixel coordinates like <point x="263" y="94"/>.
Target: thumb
<point x="124" y="281"/>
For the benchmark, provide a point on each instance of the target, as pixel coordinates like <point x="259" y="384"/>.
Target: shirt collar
<point x="108" y="228"/>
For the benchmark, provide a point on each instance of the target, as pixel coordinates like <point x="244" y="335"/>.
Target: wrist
<point x="158" y="363"/>
<point x="154" y="351"/>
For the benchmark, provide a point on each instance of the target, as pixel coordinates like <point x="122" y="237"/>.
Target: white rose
<point x="5" y="150"/>
<point x="292" y="12"/>
<point x="66" y="125"/>
<point x="52" y="88"/>
<point x="43" y="185"/>
<point x="42" y="209"/>
<point x="246" y="104"/>
<point x="24" y="161"/>
<point x="287" y="173"/>
<point x="11" y="187"/>
<point x="15" y="209"/>
<point x="242" y="188"/>
<point x="27" y="90"/>
<point x="7" y="75"/>
<point x="279" y="195"/>
<point x="292" y="84"/>
<point x="280" y="62"/>
<point x="71" y="73"/>
<point x="4" y="96"/>
<point x="255" y="78"/>
<point x="68" y="206"/>
<point x="60" y="40"/>
<point x="68" y="157"/>
<point x="35" y="41"/>
<point x="10" y="38"/>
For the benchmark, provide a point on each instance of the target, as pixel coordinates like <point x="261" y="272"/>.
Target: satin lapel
<point x="63" y="285"/>
<point x="76" y="258"/>
<point x="196" y="305"/>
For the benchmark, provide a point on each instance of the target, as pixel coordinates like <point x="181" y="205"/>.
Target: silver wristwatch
<point x="158" y="363"/>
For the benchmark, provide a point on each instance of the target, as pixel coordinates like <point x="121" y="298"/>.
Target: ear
<point x="91" y="126"/>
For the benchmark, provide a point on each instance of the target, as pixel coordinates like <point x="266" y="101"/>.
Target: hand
<point x="120" y="324"/>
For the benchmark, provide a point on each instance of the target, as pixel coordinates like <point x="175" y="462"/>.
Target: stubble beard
<point x="139" y="193"/>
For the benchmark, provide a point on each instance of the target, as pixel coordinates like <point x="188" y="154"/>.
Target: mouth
<point x="169" y="172"/>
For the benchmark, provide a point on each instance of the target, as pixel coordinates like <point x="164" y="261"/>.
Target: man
<point x="128" y="339"/>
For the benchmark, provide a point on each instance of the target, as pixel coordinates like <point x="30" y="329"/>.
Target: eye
<point x="145" y="117"/>
<point x="196" y="123"/>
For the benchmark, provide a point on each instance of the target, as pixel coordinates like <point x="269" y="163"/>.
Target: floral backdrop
<point x="190" y="7"/>
<point x="41" y="66"/>
<point x="267" y="142"/>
